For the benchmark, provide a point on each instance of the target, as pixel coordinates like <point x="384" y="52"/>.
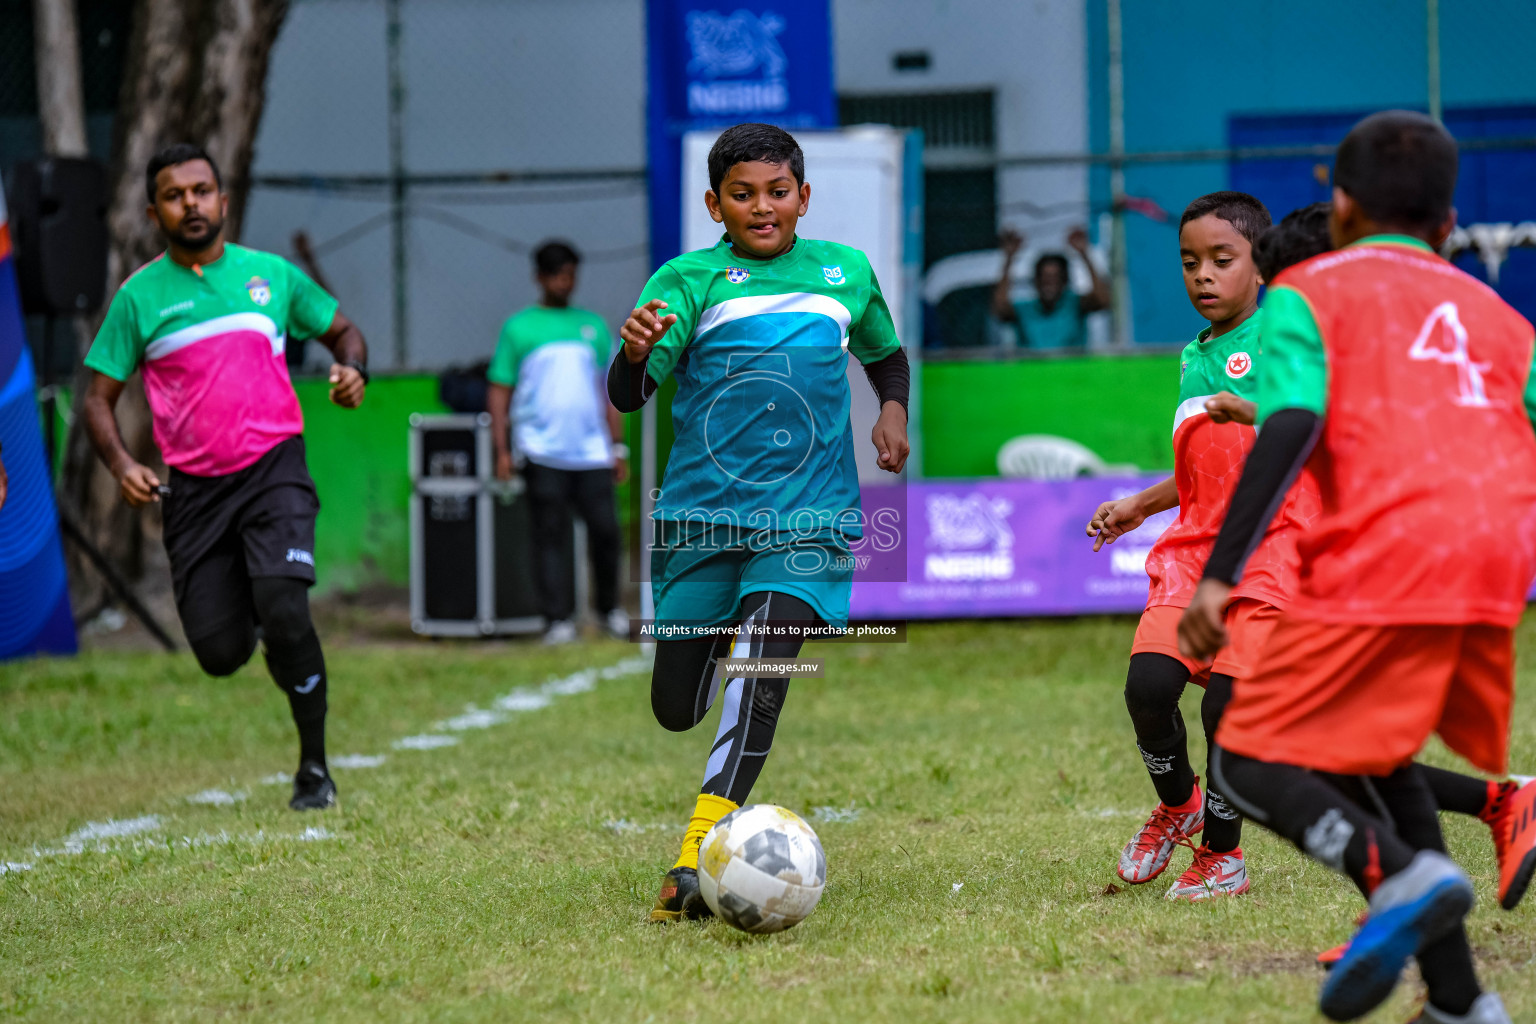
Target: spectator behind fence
<point x="1053" y="319"/>
<point x="553" y="358"/>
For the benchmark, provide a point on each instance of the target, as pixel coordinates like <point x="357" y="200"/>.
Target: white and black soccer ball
<point x="761" y="869"/>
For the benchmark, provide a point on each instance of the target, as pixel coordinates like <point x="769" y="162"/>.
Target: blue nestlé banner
<point x="34" y="592"/>
<point x="713" y="63"/>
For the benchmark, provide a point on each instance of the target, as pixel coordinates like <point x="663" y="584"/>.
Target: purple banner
<point x="1004" y="547"/>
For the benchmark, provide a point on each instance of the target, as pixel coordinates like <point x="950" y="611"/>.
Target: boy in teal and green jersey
<point x="759" y="506"/>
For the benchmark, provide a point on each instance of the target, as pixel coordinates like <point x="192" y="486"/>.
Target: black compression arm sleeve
<point x="1282" y="449"/>
<point x="891" y="377"/>
<point x="629" y="386"/>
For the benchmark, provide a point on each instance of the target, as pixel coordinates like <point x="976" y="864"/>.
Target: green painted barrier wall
<point x="359" y="461"/>
<point x="1119" y="406"/>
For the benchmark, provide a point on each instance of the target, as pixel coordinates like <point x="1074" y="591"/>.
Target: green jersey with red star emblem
<point x="1207" y="462"/>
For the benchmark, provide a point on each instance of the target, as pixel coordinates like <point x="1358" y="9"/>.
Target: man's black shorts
<point x="223" y="531"/>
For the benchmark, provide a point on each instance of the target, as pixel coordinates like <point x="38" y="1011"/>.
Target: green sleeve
<point x="118" y="348"/>
<point x="1530" y="393"/>
<point x="311" y="309"/>
<point x="874" y="336"/>
<point x="1293" y="362"/>
<point x="668" y="286"/>
<point x="504" y="364"/>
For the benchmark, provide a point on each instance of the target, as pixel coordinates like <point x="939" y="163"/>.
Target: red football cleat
<point x="1212" y="874"/>
<point x="1146" y="855"/>
<point x="1512" y="818"/>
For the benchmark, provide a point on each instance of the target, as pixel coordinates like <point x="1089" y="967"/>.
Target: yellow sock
<point x="709" y="810"/>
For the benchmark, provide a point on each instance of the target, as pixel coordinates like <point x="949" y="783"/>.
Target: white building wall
<point x="1031" y="52"/>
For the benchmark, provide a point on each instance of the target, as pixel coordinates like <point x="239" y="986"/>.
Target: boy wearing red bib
<point x="1402" y="384"/>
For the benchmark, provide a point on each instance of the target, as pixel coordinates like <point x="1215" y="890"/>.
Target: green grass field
<point x="974" y="786"/>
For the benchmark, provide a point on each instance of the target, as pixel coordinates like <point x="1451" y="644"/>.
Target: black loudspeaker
<point x="58" y="215"/>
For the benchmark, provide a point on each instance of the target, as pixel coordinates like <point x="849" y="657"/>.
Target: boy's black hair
<point x="170" y="156"/>
<point x="1241" y="210"/>
<point x="1400" y="166"/>
<point x="1300" y="235"/>
<point x="1053" y="257"/>
<point x="554" y="256"/>
<point x="747" y="142"/>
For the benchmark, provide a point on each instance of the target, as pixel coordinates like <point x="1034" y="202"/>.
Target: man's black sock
<point x="1153" y="685"/>
<point x="294" y="658"/>
<point x="301" y="675"/>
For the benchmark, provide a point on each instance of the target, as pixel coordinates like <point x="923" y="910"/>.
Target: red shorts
<point x="1362" y="700"/>
<point x="1249" y="622"/>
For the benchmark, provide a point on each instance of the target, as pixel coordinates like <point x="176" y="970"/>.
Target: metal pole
<point x="397" y="186"/>
<point x="1432" y="11"/>
<point x="1120" y="285"/>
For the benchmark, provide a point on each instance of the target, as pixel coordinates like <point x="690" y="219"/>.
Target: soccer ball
<point x="761" y="869"/>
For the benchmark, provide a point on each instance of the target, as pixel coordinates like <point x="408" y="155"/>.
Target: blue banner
<point x="714" y="63"/>
<point x="34" y="594"/>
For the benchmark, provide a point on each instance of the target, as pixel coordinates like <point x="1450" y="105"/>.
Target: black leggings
<point x="281" y="607"/>
<point x="1153" y="686"/>
<point x="684" y="687"/>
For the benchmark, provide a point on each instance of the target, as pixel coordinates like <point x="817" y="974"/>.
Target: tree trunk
<point x="195" y="73"/>
<point x="60" y="103"/>
<point x="233" y="91"/>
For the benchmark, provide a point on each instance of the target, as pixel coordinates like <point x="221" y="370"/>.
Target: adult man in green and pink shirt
<point x="207" y="322"/>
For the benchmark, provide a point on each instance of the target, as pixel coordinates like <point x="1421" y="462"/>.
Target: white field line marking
<point x="427" y="741"/>
<point x="519" y="700"/>
<point x="472" y="718"/>
<point x="523" y="700"/>
<point x="825" y="814"/>
<point x="223" y="838"/>
<point x="95" y="831"/>
<point x="350" y="761"/>
<point x="100" y="835"/>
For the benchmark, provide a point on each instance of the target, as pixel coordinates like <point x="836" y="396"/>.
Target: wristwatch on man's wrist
<point x="359" y="367"/>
